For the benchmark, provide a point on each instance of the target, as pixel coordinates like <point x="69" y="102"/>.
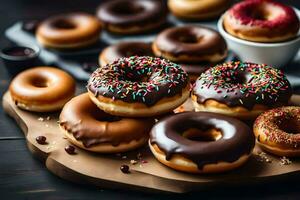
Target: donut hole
<point x="189" y="39"/>
<point x="127" y="9"/>
<point x="291" y="125"/>
<point x="266" y="12"/>
<point x="40" y="82"/>
<point x="63" y="24"/>
<point x="208" y="135"/>
<point x="261" y="14"/>
<point x="235" y="79"/>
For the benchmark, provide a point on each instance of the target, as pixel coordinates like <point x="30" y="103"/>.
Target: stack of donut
<point x="123" y="99"/>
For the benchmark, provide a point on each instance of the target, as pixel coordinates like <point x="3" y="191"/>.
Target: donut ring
<point x="190" y="44"/>
<point x="278" y="131"/>
<point x="261" y="21"/>
<point x="74" y="30"/>
<point x="139" y="87"/>
<point x="242" y="90"/>
<point x="131" y="16"/>
<point x="42" y="89"/>
<point x="124" y="49"/>
<point x="197" y="10"/>
<point x="90" y="128"/>
<point x="201" y="142"/>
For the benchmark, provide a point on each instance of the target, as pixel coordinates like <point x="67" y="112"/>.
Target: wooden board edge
<point x="65" y="173"/>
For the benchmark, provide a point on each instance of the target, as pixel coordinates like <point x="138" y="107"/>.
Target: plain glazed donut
<point x="42" y="89"/>
<point x="190" y="44"/>
<point x="201" y="142"/>
<point x="69" y="31"/>
<point x="278" y="131"/>
<point x="242" y="90"/>
<point x="198" y="10"/>
<point x="132" y="16"/>
<point x="139" y="87"/>
<point x="92" y="129"/>
<point x="124" y="49"/>
<point x="261" y="21"/>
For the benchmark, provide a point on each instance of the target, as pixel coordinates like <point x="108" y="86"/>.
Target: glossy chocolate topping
<point x="82" y="118"/>
<point x="243" y="84"/>
<point x="236" y="138"/>
<point x="195" y="69"/>
<point x="126" y="49"/>
<point x="191" y="40"/>
<point x="131" y="12"/>
<point x="139" y="79"/>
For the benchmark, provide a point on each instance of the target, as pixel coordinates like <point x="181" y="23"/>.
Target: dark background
<point x="23" y="176"/>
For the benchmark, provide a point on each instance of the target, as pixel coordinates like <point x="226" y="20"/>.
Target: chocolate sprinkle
<point x="70" y="149"/>
<point x="125" y="169"/>
<point x="41" y="139"/>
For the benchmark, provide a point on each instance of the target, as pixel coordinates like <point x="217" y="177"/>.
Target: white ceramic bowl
<point x="274" y="54"/>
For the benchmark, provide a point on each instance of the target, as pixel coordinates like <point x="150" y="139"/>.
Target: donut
<point x="190" y="44"/>
<point x="42" y="89"/>
<point x="261" y="21"/>
<point x="278" y="131"/>
<point x="139" y="87"/>
<point x="92" y="129"/>
<point x="124" y="49"/>
<point x="68" y="31"/>
<point x="198" y="10"/>
<point x="201" y="142"/>
<point x="242" y="90"/>
<point x="132" y="16"/>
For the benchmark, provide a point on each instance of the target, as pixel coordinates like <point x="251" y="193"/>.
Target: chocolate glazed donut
<point x="171" y="137"/>
<point x="124" y="49"/>
<point x="132" y="16"/>
<point x="243" y="84"/>
<point x="190" y="44"/>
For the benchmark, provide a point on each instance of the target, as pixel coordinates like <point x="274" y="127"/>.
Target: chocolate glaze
<point x="131" y="12"/>
<point x="191" y="40"/>
<point x="127" y="49"/>
<point x="139" y="79"/>
<point x="82" y="118"/>
<point x="233" y="90"/>
<point x="195" y="69"/>
<point x="237" y="138"/>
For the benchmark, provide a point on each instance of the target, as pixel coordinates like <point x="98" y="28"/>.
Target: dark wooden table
<point x="24" y="177"/>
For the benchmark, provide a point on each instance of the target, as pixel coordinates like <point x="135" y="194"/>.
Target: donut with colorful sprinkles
<point x="241" y="89"/>
<point x="139" y="86"/>
<point x="278" y="131"/>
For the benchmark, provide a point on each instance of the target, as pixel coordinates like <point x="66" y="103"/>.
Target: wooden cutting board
<point x="147" y="174"/>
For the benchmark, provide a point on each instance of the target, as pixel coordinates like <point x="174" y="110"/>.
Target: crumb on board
<point x="285" y="161"/>
<point x="262" y="157"/>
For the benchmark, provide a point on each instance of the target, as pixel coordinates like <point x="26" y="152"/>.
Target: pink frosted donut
<point x="261" y="21"/>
